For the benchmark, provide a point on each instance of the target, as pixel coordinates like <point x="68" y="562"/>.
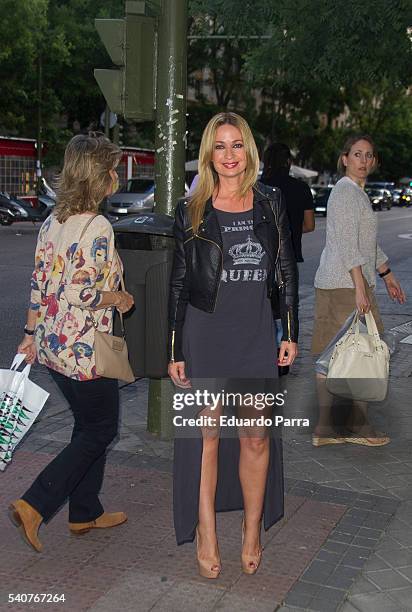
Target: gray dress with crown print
<point x="233" y="345"/>
<point x="237" y="339"/>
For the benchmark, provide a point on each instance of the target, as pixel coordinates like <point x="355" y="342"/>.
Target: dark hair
<point x="347" y="147"/>
<point x="276" y="160"/>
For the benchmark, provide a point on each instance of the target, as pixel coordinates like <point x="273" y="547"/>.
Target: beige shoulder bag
<point x="359" y="366"/>
<point x="111" y="354"/>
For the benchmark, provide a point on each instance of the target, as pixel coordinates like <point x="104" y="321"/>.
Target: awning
<point x="304" y="173"/>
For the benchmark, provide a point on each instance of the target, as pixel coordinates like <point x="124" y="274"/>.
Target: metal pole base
<point x="160" y="408"/>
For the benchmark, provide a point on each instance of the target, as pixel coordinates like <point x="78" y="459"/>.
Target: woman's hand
<point x="176" y="371"/>
<point x="362" y="301"/>
<point x="394" y="289"/>
<point x="287" y="353"/>
<point x="28" y="347"/>
<point x="124" y="301"/>
<point x="361" y="297"/>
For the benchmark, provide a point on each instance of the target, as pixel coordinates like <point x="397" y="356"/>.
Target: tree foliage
<point x="61" y="35"/>
<point x="305" y="72"/>
<point x="322" y="67"/>
<point x="21" y="28"/>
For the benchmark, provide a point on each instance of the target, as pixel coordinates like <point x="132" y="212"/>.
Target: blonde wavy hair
<point x="208" y="177"/>
<point x="85" y="179"/>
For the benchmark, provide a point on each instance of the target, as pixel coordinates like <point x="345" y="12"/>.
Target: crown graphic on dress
<point x="248" y="252"/>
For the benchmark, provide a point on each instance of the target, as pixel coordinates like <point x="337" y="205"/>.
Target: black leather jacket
<point x="197" y="264"/>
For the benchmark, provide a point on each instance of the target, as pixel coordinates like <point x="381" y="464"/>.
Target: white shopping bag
<point x="21" y="400"/>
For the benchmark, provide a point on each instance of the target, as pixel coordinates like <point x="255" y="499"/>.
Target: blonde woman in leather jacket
<point x="233" y="248"/>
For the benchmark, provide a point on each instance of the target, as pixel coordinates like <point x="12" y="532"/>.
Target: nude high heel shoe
<point x="208" y="568"/>
<point x="250" y="563"/>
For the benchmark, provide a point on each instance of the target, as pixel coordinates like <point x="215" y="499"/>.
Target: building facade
<point x="18" y="165"/>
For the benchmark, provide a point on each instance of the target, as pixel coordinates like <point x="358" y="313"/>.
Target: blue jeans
<point x="77" y="471"/>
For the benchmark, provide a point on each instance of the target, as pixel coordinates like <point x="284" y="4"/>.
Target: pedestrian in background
<point x="73" y="292"/>
<point x="277" y="161"/>
<point x="229" y="233"/>
<point x="346" y="279"/>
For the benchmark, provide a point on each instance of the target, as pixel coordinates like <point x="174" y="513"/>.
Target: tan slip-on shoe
<point x="324" y="440"/>
<point x="28" y="520"/>
<point x="106" y="520"/>
<point x="378" y="440"/>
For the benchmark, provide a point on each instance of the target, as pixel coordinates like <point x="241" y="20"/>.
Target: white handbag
<point x="359" y="366"/>
<point x="20" y="403"/>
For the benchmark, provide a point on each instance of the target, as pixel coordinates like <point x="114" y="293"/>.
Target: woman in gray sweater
<point x="346" y="278"/>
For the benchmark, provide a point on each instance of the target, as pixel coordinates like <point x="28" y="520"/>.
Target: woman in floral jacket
<point x="73" y="292"/>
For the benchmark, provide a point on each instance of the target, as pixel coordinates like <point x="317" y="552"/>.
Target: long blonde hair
<point x="85" y="180"/>
<point x="208" y="177"/>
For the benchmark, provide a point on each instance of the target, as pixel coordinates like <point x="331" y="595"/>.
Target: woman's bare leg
<point x="324" y="426"/>
<point x="207" y="544"/>
<point x="253" y="470"/>
<point x="360" y="422"/>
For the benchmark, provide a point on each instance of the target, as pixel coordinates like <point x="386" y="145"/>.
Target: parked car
<point x="321" y="200"/>
<point x="406" y="197"/>
<point x="396" y="196"/>
<point x="136" y="196"/>
<point x="381" y="185"/>
<point x="380" y="198"/>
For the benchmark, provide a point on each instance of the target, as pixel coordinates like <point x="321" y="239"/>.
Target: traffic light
<point x="118" y="134"/>
<point x="130" y="42"/>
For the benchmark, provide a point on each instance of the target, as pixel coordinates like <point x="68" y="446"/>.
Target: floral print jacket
<point x="66" y="285"/>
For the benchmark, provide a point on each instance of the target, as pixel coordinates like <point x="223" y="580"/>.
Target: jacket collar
<point x="208" y="207"/>
<point x="262" y="214"/>
<point x="260" y="192"/>
<point x="260" y="197"/>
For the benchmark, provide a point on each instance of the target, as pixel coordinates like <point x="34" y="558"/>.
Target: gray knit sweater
<point x="351" y="238"/>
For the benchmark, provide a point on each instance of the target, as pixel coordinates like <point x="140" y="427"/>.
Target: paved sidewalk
<point x="344" y="544"/>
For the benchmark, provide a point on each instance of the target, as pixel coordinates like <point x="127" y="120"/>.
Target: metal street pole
<point x="39" y="139"/>
<point x="116" y="134"/>
<point x="170" y="148"/>
<point x="170" y="143"/>
<point x="107" y="121"/>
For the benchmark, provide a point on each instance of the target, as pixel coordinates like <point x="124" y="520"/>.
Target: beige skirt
<point x="332" y="308"/>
